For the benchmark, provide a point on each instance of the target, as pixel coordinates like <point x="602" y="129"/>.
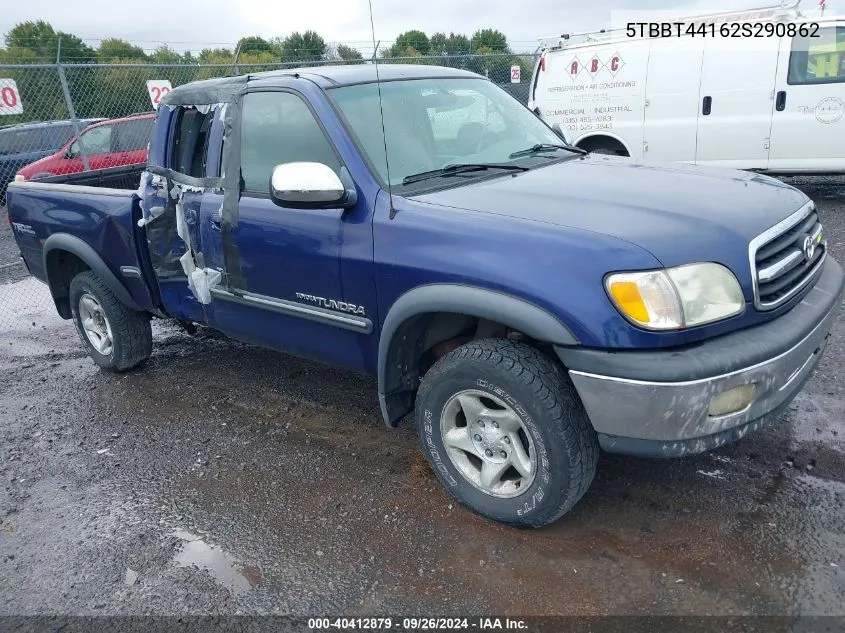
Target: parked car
<point x="111" y="143"/>
<point x="773" y="104"/>
<point x="27" y="142"/>
<point x="527" y="301"/>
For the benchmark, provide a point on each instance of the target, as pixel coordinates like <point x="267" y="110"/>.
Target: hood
<point x="679" y="213"/>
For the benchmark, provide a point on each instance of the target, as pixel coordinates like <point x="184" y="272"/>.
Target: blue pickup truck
<point x="530" y="303"/>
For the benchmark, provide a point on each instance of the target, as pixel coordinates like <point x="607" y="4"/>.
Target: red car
<point x="112" y="143"/>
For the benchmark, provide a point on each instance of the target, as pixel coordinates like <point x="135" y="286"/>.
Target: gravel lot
<point x="222" y="478"/>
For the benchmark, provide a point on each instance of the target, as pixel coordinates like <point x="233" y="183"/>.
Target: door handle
<point x="215" y="223"/>
<point x="707" y="106"/>
<point x="780" y="101"/>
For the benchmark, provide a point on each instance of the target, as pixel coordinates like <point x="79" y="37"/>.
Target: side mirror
<point x="310" y="186"/>
<point x="70" y="153"/>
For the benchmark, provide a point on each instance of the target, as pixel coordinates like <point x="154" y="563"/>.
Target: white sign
<point x="10" y="98"/>
<point x="516" y="74"/>
<point x="157" y="89"/>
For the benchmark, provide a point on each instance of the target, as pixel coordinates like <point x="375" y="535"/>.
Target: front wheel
<point x="505" y="432"/>
<point x="117" y="337"/>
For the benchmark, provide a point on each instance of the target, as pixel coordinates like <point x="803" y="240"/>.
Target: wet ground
<point x="222" y="478"/>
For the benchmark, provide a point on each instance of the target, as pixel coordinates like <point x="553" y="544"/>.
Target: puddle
<point x="223" y="567"/>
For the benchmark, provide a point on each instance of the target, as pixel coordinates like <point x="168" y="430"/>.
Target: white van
<point x="770" y="104"/>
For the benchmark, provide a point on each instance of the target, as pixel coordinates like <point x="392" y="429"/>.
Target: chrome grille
<point x="786" y="258"/>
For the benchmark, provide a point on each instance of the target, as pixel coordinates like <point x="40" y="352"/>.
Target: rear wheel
<point x="603" y="145"/>
<point x="117" y="337"/>
<point x="505" y="432"/>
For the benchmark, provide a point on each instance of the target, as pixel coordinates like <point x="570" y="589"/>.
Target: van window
<point x="189" y="142"/>
<point x="24" y="141"/>
<point x="276" y="128"/>
<point x="818" y="60"/>
<point x="133" y="135"/>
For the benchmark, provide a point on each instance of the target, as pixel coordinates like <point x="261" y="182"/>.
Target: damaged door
<point x="289" y="258"/>
<point x="174" y="201"/>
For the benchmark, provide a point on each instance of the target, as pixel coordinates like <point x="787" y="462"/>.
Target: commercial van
<point x="773" y="104"/>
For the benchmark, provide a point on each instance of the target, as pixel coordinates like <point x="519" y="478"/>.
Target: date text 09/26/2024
<point x="418" y="624"/>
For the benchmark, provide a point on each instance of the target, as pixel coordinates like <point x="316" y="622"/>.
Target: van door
<point x="809" y="120"/>
<point x="736" y="102"/>
<point x="671" y="112"/>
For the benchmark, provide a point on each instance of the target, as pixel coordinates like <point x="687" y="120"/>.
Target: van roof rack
<point x="784" y="10"/>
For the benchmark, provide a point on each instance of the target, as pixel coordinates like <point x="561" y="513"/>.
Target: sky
<point x="197" y="24"/>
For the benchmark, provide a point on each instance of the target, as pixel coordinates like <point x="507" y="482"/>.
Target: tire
<point x="554" y="428"/>
<point x="129" y="331"/>
<point x="606" y="151"/>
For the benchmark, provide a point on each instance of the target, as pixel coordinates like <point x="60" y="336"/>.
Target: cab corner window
<point x="820" y="59"/>
<point x="189" y="142"/>
<point x="277" y="128"/>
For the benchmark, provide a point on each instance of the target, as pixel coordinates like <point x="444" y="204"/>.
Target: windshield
<point x="432" y="123"/>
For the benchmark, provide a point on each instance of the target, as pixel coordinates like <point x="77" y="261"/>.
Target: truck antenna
<point x="381" y="112"/>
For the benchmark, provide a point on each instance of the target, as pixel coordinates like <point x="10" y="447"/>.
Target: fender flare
<point x="473" y="301"/>
<point x="80" y="248"/>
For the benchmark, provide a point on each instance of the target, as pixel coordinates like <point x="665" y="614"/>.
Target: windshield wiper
<point x="545" y="147"/>
<point x="462" y="168"/>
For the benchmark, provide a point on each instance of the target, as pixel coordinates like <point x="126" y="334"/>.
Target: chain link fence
<point x="61" y="118"/>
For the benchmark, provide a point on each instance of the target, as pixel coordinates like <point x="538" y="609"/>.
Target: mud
<point x="229" y="479"/>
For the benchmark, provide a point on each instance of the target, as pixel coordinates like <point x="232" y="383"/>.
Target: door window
<point x="97" y="141"/>
<point x="818" y="60"/>
<point x="277" y="128"/>
<point x="133" y="135"/>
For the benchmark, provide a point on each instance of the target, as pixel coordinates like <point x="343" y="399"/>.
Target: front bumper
<point x="657" y="403"/>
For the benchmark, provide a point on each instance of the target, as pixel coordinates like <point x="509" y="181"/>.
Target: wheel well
<point x="605" y="144"/>
<point x="422" y="339"/>
<point x="61" y="268"/>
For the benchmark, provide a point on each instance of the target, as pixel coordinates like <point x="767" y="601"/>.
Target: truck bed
<point x="84" y="220"/>
<point x="125" y="177"/>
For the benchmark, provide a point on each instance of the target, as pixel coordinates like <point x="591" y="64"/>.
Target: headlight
<point x="676" y="298"/>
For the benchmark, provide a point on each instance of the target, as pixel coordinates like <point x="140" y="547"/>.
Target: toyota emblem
<point x="809" y="248"/>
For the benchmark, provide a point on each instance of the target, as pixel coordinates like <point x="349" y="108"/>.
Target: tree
<point x="40" y="38"/>
<point x="303" y="47"/>
<point x="416" y="40"/>
<point x="342" y="53"/>
<point x="347" y="53"/>
<point x="255" y="44"/>
<point x="454" y="44"/>
<point x="216" y="56"/>
<point x="114" y="48"/>
<point x="490" y="39"/>
<point x="164" y="55"/>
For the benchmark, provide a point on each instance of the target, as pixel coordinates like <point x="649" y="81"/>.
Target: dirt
<point x="233" y="480"/>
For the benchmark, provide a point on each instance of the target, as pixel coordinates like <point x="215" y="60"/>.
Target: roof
<point x="40" y="124"/>
<point x="131" y="117"/>
<point x="331" y="76"/>
<point x="222" y="89"/>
